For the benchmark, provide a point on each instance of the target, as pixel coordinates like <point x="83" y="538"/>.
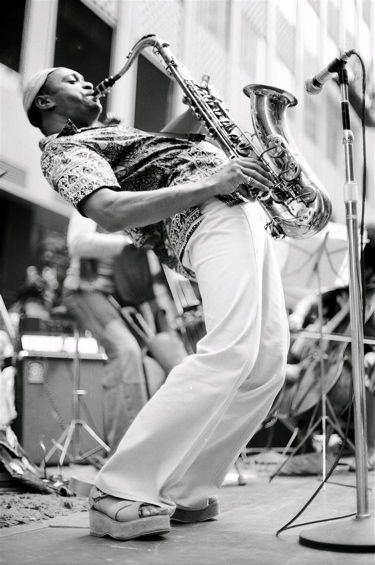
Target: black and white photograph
<point x="187" y="282"/>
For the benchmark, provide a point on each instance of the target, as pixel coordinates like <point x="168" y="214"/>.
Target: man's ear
<point x="44" y="102"/>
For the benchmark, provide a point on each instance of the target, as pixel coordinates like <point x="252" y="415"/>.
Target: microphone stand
<point x="351" y="534"/>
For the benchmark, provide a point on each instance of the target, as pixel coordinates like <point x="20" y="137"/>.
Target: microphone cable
<point x="364" y="172"/>
<point x="289" y="525"/>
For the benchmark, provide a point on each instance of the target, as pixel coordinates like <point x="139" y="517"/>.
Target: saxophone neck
<point x="150" y="40"/>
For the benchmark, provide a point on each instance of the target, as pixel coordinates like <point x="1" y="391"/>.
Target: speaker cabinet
<point x="44" y="401"/>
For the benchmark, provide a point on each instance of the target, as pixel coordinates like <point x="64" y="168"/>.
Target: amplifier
<point x="44" y="400"/>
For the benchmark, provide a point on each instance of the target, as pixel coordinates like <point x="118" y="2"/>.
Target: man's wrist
<point x="211" y="187"/>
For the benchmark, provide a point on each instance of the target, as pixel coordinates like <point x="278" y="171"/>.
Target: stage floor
<point x="243" y="534"/>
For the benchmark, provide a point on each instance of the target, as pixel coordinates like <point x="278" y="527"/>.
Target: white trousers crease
<point x="180" y="446"/>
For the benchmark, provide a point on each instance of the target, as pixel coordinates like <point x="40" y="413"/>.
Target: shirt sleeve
<point x="76" y="171"/>
<point x="84" y="240"/>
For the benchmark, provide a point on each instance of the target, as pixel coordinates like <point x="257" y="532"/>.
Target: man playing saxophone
<point x="169" y="193"/>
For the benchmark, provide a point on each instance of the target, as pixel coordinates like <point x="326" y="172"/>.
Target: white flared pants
<point x="182" y="443"/>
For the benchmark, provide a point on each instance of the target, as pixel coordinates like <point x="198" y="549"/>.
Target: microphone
<point x="315" y="84"/>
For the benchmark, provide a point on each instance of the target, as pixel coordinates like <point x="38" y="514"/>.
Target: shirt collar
<point x="69" y="129"/>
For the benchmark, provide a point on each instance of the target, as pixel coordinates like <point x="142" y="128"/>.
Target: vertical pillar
<point x="122" y="98"/>
<point x="188" y="31"/>
<point x="298" y="73"/>
<point x="38" y="44"/>
<point x="233" y="91"/>
<point x="271" y="39"/>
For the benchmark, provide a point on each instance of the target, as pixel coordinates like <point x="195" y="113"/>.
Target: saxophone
<point x="297" y="205"/>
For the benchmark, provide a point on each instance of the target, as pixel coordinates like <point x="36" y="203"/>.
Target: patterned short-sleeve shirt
<point x="77" y="162"/>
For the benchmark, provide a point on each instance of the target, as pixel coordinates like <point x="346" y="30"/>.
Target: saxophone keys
<point x="274" y="229"/>
<point x="292" y="173"/>
<point x="275" y="146"/>
<point x="307" y="195"/>
<point x="305" y="218"/>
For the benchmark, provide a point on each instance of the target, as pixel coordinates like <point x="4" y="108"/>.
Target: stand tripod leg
<point x="69" y="437"/>
<point x="339" y="431"/>
<point x="101" y="444"/>
<point x="302" y="442"/>
<point x="335" y="424"/>
<point x="240" y="478"/>
<point x="291" y="440"/>
<point x="94" y="435"/>
<point x="58" y="444"/>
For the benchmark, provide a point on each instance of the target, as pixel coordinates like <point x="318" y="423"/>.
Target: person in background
<point x="40" y="294"/>
<point x="86" y="290"/>
<point x="7" y="376"/>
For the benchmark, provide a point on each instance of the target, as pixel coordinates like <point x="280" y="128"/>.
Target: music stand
<point x="320" y="264"/>
<point x="298" y="262"/>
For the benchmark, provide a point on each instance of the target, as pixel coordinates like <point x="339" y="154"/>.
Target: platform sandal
<point x="122" y="519"/>
<point x="189" y="516"/>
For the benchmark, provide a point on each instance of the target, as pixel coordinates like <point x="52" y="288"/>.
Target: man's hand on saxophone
<point x="241" y="174"/>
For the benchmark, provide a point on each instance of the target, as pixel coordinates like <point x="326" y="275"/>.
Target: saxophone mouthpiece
<point x="103" y="87"/>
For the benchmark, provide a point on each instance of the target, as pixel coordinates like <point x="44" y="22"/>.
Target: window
<point x="248" y="53"/>
<point x="15" y="224"/>
<point x="315" y="4"/>
<point x="83" y="41"/>
<point x="311" y="30"/>
<point x="255" y="12"/>
<point x="282" y="75"/>
<point x="286" y="41"/>
<point x="366" y="10"/>
<point x="333" y="23"/>
<point x="11" y="27"/>
<point x="215" y="16"/>
<point x="153" y="94"/>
